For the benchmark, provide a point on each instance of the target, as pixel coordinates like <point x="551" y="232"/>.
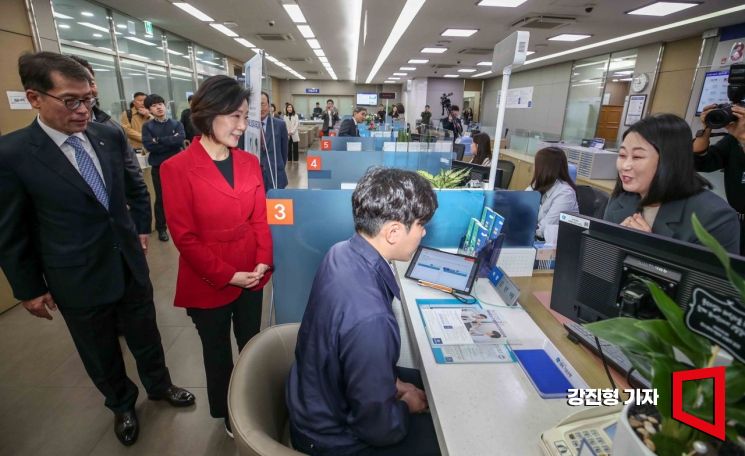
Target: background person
<point x="727" y="155"/>
<point x="317" y="111"/>
<point x="70" y="180"/>
<point x="189" y="129"/>
<point x="344" y="393"/>
<point x="453" y="123"/>
<point x="330" y="117"/>
<point x="658" y="188"/>
<point x="427" y="116"/>
<point x="215" y="203"/>
<point x="394" y="112"/>
<point x="133" y="120"/>
<point x="349" y="127"/>
<point x="381" y="113"/>
<point x="293" y="123"/>
<point x="274" y="147"/>
<point x="558" y="193"/>
<point x="481" y="149"/>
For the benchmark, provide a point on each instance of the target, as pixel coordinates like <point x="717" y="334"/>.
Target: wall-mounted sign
<point x="312" y="90"/>
<point x="719" y="319"/>
<point x="17" y="100"/>
<point x="148" y="27"/>
<point x="521" y="97"/>
<point x="387" y="95"/>
<point x="635" y="110"/>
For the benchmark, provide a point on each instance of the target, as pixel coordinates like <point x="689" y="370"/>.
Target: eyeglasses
<point x="74" y="103"/>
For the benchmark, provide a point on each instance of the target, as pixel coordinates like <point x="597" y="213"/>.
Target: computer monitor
<point x="600" y="267"/>
<point x="478" y="172"/>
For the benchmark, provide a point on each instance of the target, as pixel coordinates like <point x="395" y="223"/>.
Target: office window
<point x="133" y="41"/>
<point x="209" y="62"/>
<point x="183" y="86"/>
<point x="82" y="24"/>
<point x="585" y="96"/>
<point x="105" y="74"/>
<point x="143" y="77"/>
<point x="179" y="50"/>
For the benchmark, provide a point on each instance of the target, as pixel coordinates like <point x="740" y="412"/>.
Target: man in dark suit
<point x="349" y="126"/>
<point x="273" y="147"/>
<point x="68" y="241"/>
<point x="453" y="123"/>
<point x="330" y="117"/>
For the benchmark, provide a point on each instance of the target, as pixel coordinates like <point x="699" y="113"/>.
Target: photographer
<point x="727" y="155"/>
<point x="453" y="123"/>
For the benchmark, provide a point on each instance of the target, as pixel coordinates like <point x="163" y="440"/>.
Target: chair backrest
<point x="507" y="168"/>
<point x="591" y="201"/>
<point x="256" y="398"/>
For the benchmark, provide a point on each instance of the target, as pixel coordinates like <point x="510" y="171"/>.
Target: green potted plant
<point x="654" y="348"/>
<point x="447" y="178"/>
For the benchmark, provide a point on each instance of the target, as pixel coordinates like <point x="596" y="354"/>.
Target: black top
<point x="226" y="168"/>
<point x="729" y="156"/>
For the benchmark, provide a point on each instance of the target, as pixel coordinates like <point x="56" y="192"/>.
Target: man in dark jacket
<point x="163" y="138"/>
<point x="189" y="127"/>
<point x="349" y="126"/>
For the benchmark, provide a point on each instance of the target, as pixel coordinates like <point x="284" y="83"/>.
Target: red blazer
<point x="217" y="229"/>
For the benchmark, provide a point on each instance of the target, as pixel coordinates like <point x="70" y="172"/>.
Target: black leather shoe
<point x="126" y="427"/>
<point x="176" y="396"/>
<point x="163" y="235"/>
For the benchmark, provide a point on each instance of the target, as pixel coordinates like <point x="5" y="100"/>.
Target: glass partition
<point x="105" y="74"/>
<point x="585" y="97"/>
<point x="83" y="24"/>
<point x="209" y="62"/>
<point x="183" y="86"/>
<point x="133" y="41"/>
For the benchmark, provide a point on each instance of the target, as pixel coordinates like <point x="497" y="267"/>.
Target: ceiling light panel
<point x="306" y="31"/>
<point x="62" y="16"/>
<point x="193" y="11"/>
<point x="484" y="64"/>
<point x="400" y="74"/>
<point x="417" y="61"/>
<point x="502" y="3"/>
<point x="221" y="28"/>
<point x="662" y="8"/>
<point x="467" y="70"/>
<point x="451" y="76"/>
<point x="245" y="42"/>
<point x="481" y="74"/>
<point x="405" y="18"/>
<point x="314" y="44"/>
<point x="409" y="68"/>
<point x="319" y="52"/>
<point x="294" y="12"/>
<point x="569" y="37"/>
<point x="459" y="32"/>
<point x="433" y="50"/>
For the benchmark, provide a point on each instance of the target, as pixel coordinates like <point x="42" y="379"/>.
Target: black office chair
<point x="507" y="168"/>
<point x="591" y="201"/>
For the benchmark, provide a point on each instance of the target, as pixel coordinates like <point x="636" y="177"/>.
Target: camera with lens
<point x="721" y="116"/>
<point x="445" y="103"/>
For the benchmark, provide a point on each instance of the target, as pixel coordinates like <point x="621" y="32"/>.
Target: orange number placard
<point x="280" y="212"/>
<point x="332" y="133"/>
<point x="325" y="144"/>
<point x="314" y="163"/>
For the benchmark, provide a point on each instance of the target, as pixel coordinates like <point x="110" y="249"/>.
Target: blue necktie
<point x="88" y="170"/>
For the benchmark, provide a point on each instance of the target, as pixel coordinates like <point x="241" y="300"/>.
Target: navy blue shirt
<point x="341" y="392"/>
<point x="163" y="139"/>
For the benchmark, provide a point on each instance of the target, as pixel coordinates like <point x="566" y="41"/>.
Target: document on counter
<point x="464" y="333"/>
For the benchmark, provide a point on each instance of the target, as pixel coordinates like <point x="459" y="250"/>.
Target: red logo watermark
<point x="717" y="428"/>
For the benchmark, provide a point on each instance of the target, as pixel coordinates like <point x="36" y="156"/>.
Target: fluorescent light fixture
<point x="501" y="3"/>
<point x="87" y="14"/>
<point x="172" y="52"/>
<point x="467" y="70"/>
<point x="139" y="40"/>
<point x="484" y="64"/>
<point x="481" y="74"/>
<point x="407" y="68"/>
<point x="662" y="8"/>
<point x="693" y="20"/>
<point x="224" y="30"/>
<point x="394" y="79"/>
<point x="94" y="26"/>
<point x="353" y="14"/>
<point x="306" y="31"/>
<point x="193" y="11"/>
<point x="417" y="61"/>
<point x="294" y="12"/>
<point x="433" y="50"/>
<point x="407" y="15"/>
<point x="390" y="82"/>
<point x="97" y="35"/>
<point x="323" y="59"/>
<point x="244" y="42"/>
<point x="530" y="53"/>
<point x="272" y="58"/>
<point x="63" y="26"/>
<point x="80" y="42"/>
<point x="451" y="76"/>
<point x="569" y="37"/>
<point x="400" y="74"/>
<point x="121" y="26"/>
<point x="319" y="52"/>
<point x="62" y="16"/>
<point x="314" y="44"/>
<point x="459" y="32"/>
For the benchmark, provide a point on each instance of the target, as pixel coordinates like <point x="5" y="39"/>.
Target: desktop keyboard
<point x="613" y="355"/>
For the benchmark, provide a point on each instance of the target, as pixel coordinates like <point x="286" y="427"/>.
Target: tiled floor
<point x="49" y="406"/>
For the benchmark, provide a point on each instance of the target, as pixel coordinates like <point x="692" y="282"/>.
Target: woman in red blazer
<point x="216" y="207"/>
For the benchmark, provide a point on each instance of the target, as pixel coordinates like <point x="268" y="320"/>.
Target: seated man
<point x="349" y="126"/>
<point x="344" y="393"/>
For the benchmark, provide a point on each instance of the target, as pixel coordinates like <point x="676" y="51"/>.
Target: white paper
<point x="482" y="353"/>
<point x="389" y="146"/>
<point x="354" y="146"/>
<point x="520" y="97"/>
<point x="17" y="100"/>
<point x="635" y="109"/>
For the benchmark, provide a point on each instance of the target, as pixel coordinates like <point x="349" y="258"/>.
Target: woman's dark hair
<point x="676" y="177"/>
<point x="550" y="165"/>
<point x="217" y="96"/>
<point x="287" y="113"/>
<point x="385" y="194"/>
<point x="36" y="70"/>
<point x="483" y="151"/>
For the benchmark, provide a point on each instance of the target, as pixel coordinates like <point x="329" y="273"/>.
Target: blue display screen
<point x="611" y="431"/>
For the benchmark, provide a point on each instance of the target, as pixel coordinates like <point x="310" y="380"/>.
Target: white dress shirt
<point x="59" y="139"/>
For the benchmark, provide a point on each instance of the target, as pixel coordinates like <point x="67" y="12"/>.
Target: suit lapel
<point x="206" y="169"/>
<point x="668" y="217"/>
<point x="101" y="151"/>
<point x="50" y="155"/>
<point x="242" y="176"/>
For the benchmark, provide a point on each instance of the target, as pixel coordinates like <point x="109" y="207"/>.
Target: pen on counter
<point x="424" y="283"/>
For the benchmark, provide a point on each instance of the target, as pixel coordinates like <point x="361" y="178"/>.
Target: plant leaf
<point x="662" y="380"/>
<point x="709" y="241"/>
<point x="735" y="381"/>
<point x="675" y="316"/>
<point x="663" y="330"/>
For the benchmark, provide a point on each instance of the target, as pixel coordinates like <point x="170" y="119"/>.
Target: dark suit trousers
<point x="421" y="440"/>
<point x="213" y="326"/>
<point x="160" y="214"/>
<point x="293" y="150"/>
<point x="93" y="329"/>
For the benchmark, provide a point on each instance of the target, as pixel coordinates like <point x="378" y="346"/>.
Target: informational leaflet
<point x="464" y="333"/>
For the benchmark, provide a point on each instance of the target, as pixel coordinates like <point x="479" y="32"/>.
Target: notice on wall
<point x="17" y="100"/>
<point x="521" y="97"/>
<point x="635" y="109"/>
<point x="253" y="69"/>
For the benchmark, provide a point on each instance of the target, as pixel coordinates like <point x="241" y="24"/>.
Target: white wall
<point x="436" y="87"/>
<point x="415" y="99"/>
<point x="550" y="90"/>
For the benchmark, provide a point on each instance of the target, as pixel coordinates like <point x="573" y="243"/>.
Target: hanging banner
<point x="252" y="72"/>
